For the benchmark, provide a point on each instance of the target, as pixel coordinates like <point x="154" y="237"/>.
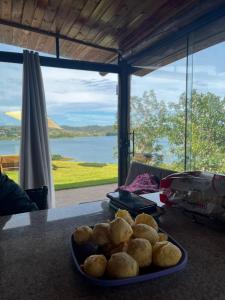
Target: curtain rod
<point x="57" y="35"/>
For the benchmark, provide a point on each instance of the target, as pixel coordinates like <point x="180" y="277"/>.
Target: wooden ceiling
<point x="128" y="25"/>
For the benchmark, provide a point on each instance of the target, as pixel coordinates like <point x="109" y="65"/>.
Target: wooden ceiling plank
<point x="116" y="17"/>
<point x="61" y="15"/>
<point x="38" y="17"/>
<point x="6" y="14"/>
<point x="124" y="25"/>
<point x="96" y="15"/>
<point x="17" y="12"/>
<point x="1" y="10"/>
<point x="83" y="17"/>
<point x="183" y="19"/>
<point x="47" y="19"/>
<point x="164" y="14"/>
<point x="2" y="38"/>
<point x="49" y="15"/>
<point x="102" y="18"/>
<point x="74" y="13"/>
<point x="92" y="23"/>
<point x="28" y="12"/>
<point x="36" y="22"/>
<point x="6" y="9"/>
<point x="27" y="18"/>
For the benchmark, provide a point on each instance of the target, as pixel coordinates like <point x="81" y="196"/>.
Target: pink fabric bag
<point x="142" y="184"/>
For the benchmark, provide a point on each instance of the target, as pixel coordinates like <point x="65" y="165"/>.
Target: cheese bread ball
<point x="124" y="214"/>
<point x="162" y="236"/>
<point x="120" y="231"/>
<point x="146" y="219"/>
<point x="165" y="254"/>
<point x="100" y="234"/>
<point x="122" y="247"/>
<point x="82" y="234"/>
<point x="95" y="265"/>
<point x="141" y="251"/>
<point x="122" y="265"/>
<point x="146" y="232"/>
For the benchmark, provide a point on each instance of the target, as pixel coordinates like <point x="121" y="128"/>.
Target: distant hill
<point x="13" y="132"/>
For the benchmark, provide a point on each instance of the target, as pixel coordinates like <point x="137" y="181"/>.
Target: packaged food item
<point x="198" y="192"/>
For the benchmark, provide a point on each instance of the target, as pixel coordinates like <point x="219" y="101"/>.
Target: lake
<point x="100" y="149"/>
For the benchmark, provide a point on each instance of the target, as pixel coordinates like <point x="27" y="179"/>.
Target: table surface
<point x="36" y="262"/>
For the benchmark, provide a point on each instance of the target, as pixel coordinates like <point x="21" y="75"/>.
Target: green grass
<point x="68" y="175"/>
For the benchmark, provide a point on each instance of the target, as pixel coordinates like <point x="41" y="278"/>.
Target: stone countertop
<point x="36" y="262"/>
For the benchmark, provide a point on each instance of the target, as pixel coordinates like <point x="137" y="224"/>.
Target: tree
<point x="154" y="121"/>
<point x="205" y="131"/>
<point x="148" y="116"/>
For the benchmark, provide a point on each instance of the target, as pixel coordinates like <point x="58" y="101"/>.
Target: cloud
<point x="80" y="97"/>
<point x="66" y="91"/>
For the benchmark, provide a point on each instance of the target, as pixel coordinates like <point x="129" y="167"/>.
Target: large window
<point x="82" y="112"/>
<point x="178" y="106"/>
<point x="158" y="115"/>
<point x="207" y="108"/>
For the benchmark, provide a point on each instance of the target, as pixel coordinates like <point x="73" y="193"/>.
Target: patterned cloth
<point x="142" y="184"/>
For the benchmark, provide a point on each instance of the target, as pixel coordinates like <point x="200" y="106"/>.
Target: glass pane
<point x="207" y="118"/>
<point x="158" y="115"/>
<point x="82" y="107"/>
<point x="10" y="120"/>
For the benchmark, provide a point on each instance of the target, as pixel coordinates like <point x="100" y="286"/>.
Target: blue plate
<point x="81" y="252"/>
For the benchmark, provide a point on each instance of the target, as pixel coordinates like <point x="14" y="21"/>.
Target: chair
<point x="38" y="196"/>
<point x="137" y="168"/>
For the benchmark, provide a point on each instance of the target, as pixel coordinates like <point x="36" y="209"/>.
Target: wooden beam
<point x="54" y="34"/>
<point x="12" y="57"/>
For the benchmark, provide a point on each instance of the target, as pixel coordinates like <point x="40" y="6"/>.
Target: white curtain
<point x="35" y="159"/>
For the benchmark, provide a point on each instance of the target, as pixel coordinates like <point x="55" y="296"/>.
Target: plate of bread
<point x="125" y="250"/>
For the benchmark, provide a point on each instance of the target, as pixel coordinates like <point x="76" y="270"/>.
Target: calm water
<point x="99" y="149"/>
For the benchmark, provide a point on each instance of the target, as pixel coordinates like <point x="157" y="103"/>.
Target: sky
<point x="80" y="98"/>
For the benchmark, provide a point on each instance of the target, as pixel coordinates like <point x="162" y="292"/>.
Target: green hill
<point x="13" y="132"/>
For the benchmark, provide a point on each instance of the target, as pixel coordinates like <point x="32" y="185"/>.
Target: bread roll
<point x="82" y="234"/>
<point x="95" y="265"/>
<point x="165" y="254"/>
<point x="146" y="219"/>
<point x="162" y="236"/>
<point x="120" y="231"/>
<point x="146" y="232"/>
<point x="100" y="234"/>
<point x="122" y="265"/>
<point x="141" y="251"/>
<point x="124" y="214"/>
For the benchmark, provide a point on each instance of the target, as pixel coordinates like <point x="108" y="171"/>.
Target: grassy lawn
<point x="69" y="174"/>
